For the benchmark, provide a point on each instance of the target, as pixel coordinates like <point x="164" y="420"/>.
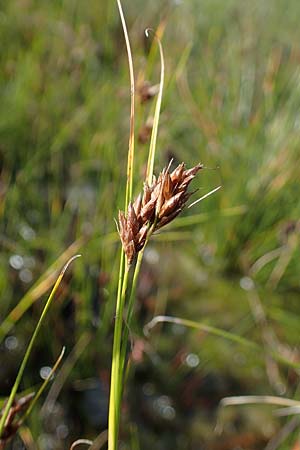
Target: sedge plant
<point x="160" y="201"/>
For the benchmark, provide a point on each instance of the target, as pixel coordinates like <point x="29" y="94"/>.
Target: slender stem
<point x="130" y="310"/>
<point x="131" y="300"/>
<point x="152" y="149"/>
<point x="130" y="157"/>
<point x="30" y="347"/>
<point x="114" y="401"/>
<point x="43" y="386"/>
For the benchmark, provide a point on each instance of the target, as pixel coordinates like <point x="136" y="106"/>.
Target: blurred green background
<point x="231" y="101"/>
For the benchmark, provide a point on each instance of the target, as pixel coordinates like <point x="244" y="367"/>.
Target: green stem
<point x="43" y="387"/>
<point x="116" y="375"/>
<point x="130" y="310"/>
<point x="30" y="347"/>
<point x="131" y="300"/>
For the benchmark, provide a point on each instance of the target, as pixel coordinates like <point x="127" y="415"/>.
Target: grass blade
<point x="44" y="385"/>
<point x="199" y="326"/>
<point x="130" y="159"/>
<point x="31" y="344"/>
<point x="152" y="149"/>
<point x="220" y="333"/>
<point x="39" y="288"/>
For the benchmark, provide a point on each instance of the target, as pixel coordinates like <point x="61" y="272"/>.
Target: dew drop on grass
<point x="16" y="262"/>
<point x="45" y="372"/>
<point x="192" y="360"/>
<point x="246" y="283"/>
<point x="168" y="413"/>
<point x="11" y="343"/>
<point x="164" y="408"/>
<point x="27" y="232"/>
<point x="26" y="276"/>
<point x="148" y="389"/>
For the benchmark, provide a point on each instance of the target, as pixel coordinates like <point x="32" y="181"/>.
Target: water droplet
<point x="192" y="360"/>
<point x="26" y="275"/>
<point x="247" y="283"/>
<point x="27" y="232"/>
<point x="168" y="412"/>
<point x="164" y="408"/>
<point x="11" y="343"/>
<point x="45" y="372"/>
<point x="148" y="389"/>
<point x="16" y="262"/>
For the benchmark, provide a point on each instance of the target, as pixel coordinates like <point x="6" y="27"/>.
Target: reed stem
<point x="116" y="372"/>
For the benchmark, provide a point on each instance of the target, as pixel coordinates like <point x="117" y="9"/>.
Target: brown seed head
<point x="157" y="206"/>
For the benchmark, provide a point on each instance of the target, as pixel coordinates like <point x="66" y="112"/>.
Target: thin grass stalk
<point x="116" y="375"/>
<point x="131" y="300"/>
<point x="149" y="176"/>
<point x="114" y="402"/>
<point x="39" y="288"/>
<point x="130" y="158"/>
<point x="43" y="386"/>
<point x="128" y="319"/>
<point x="152" y="148"/>
<point x="220" y="333"/>
<point x="81" y="442"/>
<point x="31" y="345"/>
<point x="119" y="347"/>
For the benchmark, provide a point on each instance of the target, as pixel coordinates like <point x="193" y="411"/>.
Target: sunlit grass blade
<point x="114" y="400"/>
<point x="199" y="326"/>
<point x="244" y="400"/>
<point x="130" y="159"/>
<point x="31" y="345"/>
<point x="81" y="442"/>
<point x="220" y="333"/>
<point x="204" y="196"/>
<point x="258" y="400"/>
<point x="97" y="444"/>
<point x="100" y="441"/>
<point x="27" y="438"/>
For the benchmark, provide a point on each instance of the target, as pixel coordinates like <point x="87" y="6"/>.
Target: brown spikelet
<point x="146" y="91"/>
<point x="12" y="423"/>
<point x="126" y="235"/>
<point x="157" y="206"/>
<point x="137" y="205"/>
